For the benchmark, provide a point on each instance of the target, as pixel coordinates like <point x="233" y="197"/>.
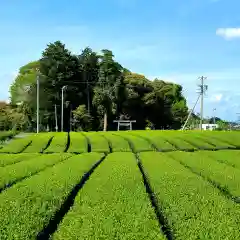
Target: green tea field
<point x="121" y="185"/>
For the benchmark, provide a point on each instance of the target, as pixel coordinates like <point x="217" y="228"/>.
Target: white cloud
<point x="216" y="97"/>
<point x="228" y="33"/>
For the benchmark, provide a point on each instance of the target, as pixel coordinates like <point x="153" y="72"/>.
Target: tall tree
<point x="60" y="68"/>
<point x="107" y="88"/>
<point x="21" y="88"/>
<point x="97" y="87"/>
<point x="23" y="91"/>
<point x="137" y="86"/>
<point x="89" y="67"/>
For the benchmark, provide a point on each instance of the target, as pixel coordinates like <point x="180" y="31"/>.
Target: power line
<point x="86" y="82"/>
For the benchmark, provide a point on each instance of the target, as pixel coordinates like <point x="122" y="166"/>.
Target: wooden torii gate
<point x="125" y="123"/>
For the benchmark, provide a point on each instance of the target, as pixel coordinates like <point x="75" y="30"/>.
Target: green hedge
<point x="28" y="206"/>
<point x="26" y="168"/>
<point x="193" y="207"/>
<point x="223" y="176"/>
<point x="58" y="144"/>
<point x="139" y="144"/>
<point x="158" y="141"/>
<point x="98" y="142"/>
<point x="193" y="140"/>
<point x="16" y="145"/>
<point x="8" y="159"/>
<point x="178" y="143"/>
<point x="226" y="137"/>
<point x="118" y="143"/>
<point x="39" y="143"/>
<point x="230" y="158"/>
<point x="78" y="143"/>
<point x="112" y="205"/>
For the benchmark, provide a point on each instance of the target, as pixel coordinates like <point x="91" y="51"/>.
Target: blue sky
<point x="172" y="40"/>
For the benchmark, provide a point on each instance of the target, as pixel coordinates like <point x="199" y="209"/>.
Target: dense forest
<point x="96" y="90"/>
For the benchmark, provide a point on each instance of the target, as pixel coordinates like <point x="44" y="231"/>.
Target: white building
<point x="208" y="126"/>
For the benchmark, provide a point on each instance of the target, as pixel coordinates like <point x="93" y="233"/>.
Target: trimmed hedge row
<point x="39" y="143"/>
<point x="195" y="141"/>
<point x="225" y="156"/>
<point x="227" y="178"/>
<point x="158" y="141"/>
<point x="98" y="142"/>
<point x="218" y="142"/>
<point x="139" y="144"/>
<point x="192" y="140"/>
<point x="58" y="144"/>
<point x="78" y="143"/>
<point x="179" y="144"/>
<point x="193" y="207"/>
<point x="118" y="143"/>
<point x="8" y="159"/>
<point x="228" y="137"/>
<point x="27" y="207"/>
<point x="26" y="168"/>
<point x="16" y="145"/>
<point x="112" y="205"/>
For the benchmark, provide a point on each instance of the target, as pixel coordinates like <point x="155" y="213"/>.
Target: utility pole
<point x="63" y="88"/>
<point x="238" y="119"/>
<point x="203" y="89"/>
<point x="56" y="122"/>
<point x="37" y="102"/>
<point x="88" y="95"/>
<point x="214" y="118"/>
<point x="70" y="121"/>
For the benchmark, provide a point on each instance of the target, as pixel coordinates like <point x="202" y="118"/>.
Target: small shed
<point x="208" y="126"/>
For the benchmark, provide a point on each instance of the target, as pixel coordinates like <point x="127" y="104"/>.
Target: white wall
<point x="209" y="126"/>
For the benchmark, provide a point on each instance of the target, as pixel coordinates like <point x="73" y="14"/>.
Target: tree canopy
<point x="97" y="91"/>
